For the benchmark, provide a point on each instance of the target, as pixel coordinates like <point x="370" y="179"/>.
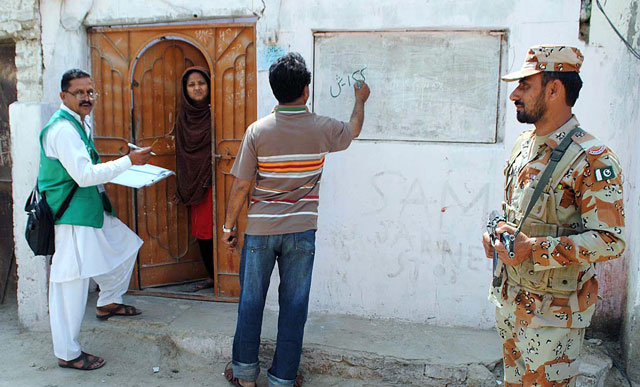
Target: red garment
<point x="202" y="217"/>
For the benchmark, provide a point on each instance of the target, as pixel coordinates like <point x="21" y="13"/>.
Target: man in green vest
<point x="563" y="192"/>
<point x="90" y="241"/>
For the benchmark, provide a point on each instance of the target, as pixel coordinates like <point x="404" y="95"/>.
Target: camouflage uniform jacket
<point x="577" y="221"/>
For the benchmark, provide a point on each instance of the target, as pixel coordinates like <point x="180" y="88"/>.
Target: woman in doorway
<point x="193" y="156"/>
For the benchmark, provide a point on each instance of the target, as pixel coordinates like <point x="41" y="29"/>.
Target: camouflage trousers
<point x="538" y="356"/>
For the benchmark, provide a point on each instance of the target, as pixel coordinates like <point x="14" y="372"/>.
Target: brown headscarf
<point x="193" y="143"/>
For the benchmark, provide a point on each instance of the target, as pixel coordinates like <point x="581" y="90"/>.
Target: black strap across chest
<point x="556" y="156"/>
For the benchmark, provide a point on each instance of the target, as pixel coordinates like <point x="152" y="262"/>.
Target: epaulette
<point x="589" y="143"/>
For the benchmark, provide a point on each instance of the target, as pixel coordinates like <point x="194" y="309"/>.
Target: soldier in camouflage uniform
<point x="546" y="293"/>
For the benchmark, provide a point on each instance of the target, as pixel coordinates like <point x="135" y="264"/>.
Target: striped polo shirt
<point x="285" y="152"/>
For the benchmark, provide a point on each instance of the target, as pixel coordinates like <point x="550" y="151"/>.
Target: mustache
<point x="86" y="103"/>
<point x="518" y="103"/>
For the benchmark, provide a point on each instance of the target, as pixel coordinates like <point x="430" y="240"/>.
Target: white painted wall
<point x="64" y="45"/>
<point x="400" y="223"/>
<point x="615" y="110"/>
<point x="26" y="120"/>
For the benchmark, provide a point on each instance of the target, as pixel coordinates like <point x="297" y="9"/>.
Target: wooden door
<point x="235" y="107"/>
<point x="170" y="253"/>
<point x="141" y="108"/>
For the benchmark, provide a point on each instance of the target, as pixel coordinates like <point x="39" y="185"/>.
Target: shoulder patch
<point x="586" y="140"/>
<point x="596" y="150"/>
<point x="605" y="173"/>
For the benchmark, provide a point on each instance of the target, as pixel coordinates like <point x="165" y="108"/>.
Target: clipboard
<point x="139" y="176"/>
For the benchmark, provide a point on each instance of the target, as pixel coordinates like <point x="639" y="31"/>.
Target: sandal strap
<point x="86" y="361"/>
<point x="121" y="309"/>
<point x="128" y="309"/>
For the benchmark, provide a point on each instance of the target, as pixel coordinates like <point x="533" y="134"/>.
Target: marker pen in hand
<point x="134" y="146"/>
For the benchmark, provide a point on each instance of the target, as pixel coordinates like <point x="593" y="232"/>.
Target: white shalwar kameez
<point x="105" y="254"/>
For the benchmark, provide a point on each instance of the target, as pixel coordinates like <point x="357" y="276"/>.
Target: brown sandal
<point x="228" y="374"/>
<point x="120" y="310"/>
<point x="88" y="364"/>
<point x="201" y="285"/>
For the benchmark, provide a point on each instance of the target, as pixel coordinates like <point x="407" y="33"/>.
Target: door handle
<point x="226" y="156"/>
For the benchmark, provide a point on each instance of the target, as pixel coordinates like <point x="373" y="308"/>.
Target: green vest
<point x="87" y="205"/>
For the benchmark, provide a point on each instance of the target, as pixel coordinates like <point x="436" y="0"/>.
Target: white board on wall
<point x="425" y="85"/>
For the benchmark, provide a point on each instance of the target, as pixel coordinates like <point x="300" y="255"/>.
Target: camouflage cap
<point x="548" y="57"/>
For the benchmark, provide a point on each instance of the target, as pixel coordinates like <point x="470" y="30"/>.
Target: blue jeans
<point x="294" y="253"/>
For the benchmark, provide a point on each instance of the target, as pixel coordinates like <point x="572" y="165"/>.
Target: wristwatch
<point x="232" y="229"/>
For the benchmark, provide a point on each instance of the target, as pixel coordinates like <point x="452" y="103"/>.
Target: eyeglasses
<point x="82" y="95"/>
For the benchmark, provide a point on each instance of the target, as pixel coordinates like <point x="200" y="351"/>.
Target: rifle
<point x="506" y="238"/>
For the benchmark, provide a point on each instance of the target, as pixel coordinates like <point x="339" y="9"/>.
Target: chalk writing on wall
<point x="425" y="85"/>
<point x="357" y="77"/>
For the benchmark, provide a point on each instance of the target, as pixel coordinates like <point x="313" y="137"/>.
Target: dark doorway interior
<point x="8" y="95"/>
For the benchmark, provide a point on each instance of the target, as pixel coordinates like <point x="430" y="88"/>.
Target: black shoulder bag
<point x="39" y="232"/>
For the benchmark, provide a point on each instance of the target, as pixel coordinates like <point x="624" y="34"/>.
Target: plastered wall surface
<point x="400" y="223"/>
<point x="438" y="86"/>
<point x="615" y="112"/>
<point x="26" y="120"/>
<point x="427" y="296"/>
<point x="17" y="18"/>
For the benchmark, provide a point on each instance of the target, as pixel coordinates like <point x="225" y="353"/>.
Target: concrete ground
<point x="190" y="343"/>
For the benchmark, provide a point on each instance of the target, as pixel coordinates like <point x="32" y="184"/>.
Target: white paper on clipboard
<point x="139" y="176"/>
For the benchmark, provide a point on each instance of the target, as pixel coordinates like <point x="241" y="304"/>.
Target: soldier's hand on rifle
<point x="522" y="246"/>
<point x="488" y="247"/>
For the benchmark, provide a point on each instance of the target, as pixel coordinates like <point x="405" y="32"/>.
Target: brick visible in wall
<point x="29" y="65"/>
<point x="20" y="23"/>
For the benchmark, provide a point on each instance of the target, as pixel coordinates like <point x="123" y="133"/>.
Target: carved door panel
<point x="235" y="107"/>
<point x="110" y="62"/>
<point x="170" y="254"/>
<point x="139" y="97"/>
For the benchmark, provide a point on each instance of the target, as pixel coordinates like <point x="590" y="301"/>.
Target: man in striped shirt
<point x="285" y="153"/>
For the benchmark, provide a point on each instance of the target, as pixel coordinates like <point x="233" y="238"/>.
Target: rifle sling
<point x="556" y="156"/>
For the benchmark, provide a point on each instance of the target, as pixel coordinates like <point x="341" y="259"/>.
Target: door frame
<point x="175" y="31"/>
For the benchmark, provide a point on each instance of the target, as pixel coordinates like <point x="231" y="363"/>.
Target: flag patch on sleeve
<point x="605" y="173"/>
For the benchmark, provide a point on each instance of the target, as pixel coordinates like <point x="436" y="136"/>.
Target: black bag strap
<point x="32" y="199"/>
<point x="35" y="196"/>
<point x="556" y="156"/>
<point x="66" y="202"/>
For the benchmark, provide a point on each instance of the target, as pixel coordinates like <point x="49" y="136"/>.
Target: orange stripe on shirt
<point x="292" y="163"/>
<point x="291" y="168"/>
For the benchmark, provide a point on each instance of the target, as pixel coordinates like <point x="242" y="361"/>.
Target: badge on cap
<point x="605" y="173"/>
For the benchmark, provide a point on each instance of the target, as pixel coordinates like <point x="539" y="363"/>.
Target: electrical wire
<point x="626" y="43"/>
